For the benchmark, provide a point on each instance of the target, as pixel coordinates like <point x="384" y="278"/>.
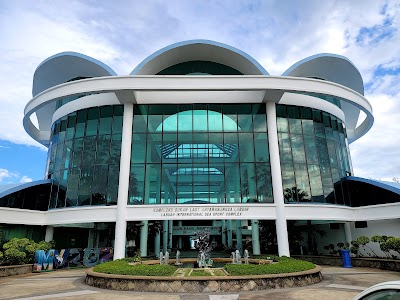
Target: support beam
<point x="281" y="225"/>
<point x="255" y="237"/>
<point x="170" y="234"/>
<point x="49" y="233"/>
<point x="144" y="233"/>
<point x="223" y="233"/>
<point x="157" y="244"/>
<point x="165" y="236"/>
<point x="239" y="240"/>
<point x="180" y="244"/>
<point x="229" y="231"/>
<point x="123" y="187"/>
<point x="347" y="232"/>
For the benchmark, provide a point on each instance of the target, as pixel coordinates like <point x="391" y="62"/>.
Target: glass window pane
<point x="264" y="183"/>
<point x="136" y="184"/>
<point x="77" y="153"/>
<point x="285" y="148"/>
<point x="99" y="185"/>
<point x="154" y="118"/>
<point x="232" y="183"/>
<point x="246" y="147"/>
<point x="118" y="119"/>
<point x="282" y="124"/>
<point x="259" y="118"/>
<point x="138" y="148"/>
<point x="112" y="188"/>
<point x="317" y="192"/>
<point x="302" y="183"/>
<point x="85" y="184"/>
<point x="154" y="141"/>
<point x="288" y="182"/>
<point x="92" y="122"/>
<point x="298" y="148"/>
<point x="140" y="118"/>
<point x="106" y="118"/>
<point x="245" y="120"/>
<point x="89" y="151"/>
<point x="71" y="127"/>
<point x="311" y="149"/>
<point x="248" y="182"/>
<point x="200" y="120"/>
<point x="261" y="147"/>
<point x="103" y="149"/>
<point x="80" y="123"/>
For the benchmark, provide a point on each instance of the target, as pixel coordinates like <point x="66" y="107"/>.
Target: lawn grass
<point x="122" y="267"/>
<point x="286" y="265"/>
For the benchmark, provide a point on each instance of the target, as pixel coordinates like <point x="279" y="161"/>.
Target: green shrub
<point x="21" y="251"/>
<point x="123" y="268"/>
<point x="200" y="273"/>
<point x="285" y="265"/>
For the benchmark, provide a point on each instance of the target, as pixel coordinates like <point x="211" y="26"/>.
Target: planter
<point x="376" y="263"/>
<point x="15" y="270"/>
<point x="202" y="284"/>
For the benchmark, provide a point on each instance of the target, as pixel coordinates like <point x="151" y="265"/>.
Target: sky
<point x="276" y="33"/>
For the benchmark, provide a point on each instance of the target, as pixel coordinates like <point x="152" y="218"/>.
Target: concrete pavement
<point x="338" y="283"/>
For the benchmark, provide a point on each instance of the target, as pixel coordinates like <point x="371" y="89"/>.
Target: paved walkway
<point x="338" y="283"/>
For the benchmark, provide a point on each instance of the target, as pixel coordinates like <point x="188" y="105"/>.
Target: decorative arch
<point x="199" y="50"/>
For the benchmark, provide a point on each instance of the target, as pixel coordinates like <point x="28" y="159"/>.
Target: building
<point x="197" y="135"/>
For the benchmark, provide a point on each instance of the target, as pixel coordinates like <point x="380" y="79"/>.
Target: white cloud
<point x="7" y="175"/>
<point x="25" y="179"/>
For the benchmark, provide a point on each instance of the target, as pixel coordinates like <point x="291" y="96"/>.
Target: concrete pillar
<point x="90" y="238"/>
<point x="229" y="232"/>
<point x="170" y="234"/>
<point x="223" y="232"/>
<point x="239" y="240"/>
<point x="279" y="201"/>
<point x="165" y="235"/>
<point x="144" y="233"/>
<point x="255" y="237"/>
<point x="347" y="232"/>
<point x="124" y="172"/>
<point x="49" y="233"/>
<point x="180" y="244"/>
<point x="157" y="244"/>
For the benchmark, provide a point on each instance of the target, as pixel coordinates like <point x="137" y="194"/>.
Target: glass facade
<point x="314" y="155"/>
<point x="200" y="153"/>
<point x="84" y="155"/>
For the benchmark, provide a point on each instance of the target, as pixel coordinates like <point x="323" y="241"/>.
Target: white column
<point x="124" y="172"/>
<point x="49" y="233"/>
<point x="255" y="237"/>
<point x="347" y="232"/>
<point x="144" y="233"/>
<point x="281" y="225"/>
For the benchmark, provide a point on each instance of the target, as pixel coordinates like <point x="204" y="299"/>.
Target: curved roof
<point x="332" y="67"/>
<point x="12" y="188"/>
<point x="65" y="66"/>
<point x="204" y="50"/>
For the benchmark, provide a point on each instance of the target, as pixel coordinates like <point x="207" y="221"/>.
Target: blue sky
<point x="276" y="33"/>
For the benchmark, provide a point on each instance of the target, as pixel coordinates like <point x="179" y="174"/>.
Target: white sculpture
<point x="246" y="257"/>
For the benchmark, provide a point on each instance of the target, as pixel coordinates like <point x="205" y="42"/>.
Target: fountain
<point x="178" y="258"/>
<point x="203" y="244"/>
<point x="246" y="257"/>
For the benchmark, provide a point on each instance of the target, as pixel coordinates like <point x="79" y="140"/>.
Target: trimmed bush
<point x="21" y="251"/>
<point x="285" y="265"/>
<point x="122" y="267"/>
